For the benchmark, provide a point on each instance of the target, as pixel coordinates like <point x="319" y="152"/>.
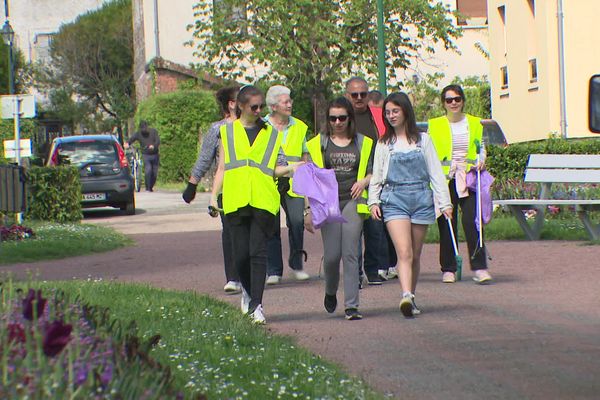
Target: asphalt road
<point x="533" y="334"/>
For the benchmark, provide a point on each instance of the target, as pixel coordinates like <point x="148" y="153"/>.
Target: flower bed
<point x="15" y="232"/>
<point x="54" y="348"/>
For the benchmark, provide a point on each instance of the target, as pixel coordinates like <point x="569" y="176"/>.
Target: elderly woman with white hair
<point x="294" y="146"/>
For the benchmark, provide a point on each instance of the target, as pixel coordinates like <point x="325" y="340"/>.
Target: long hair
<point x="342" y="102"/>
<point x="224" y="96"/>
<point x="410" y="124"/>
<point x="243" y="97"/>
<point x="457" y="89"/>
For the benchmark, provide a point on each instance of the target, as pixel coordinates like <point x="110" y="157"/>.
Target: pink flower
<point x="28" y="304"/>
<point x="58" y="335"/>
<point x="16" y="332"/>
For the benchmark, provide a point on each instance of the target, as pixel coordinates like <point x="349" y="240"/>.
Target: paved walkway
<point x="533" y="334"/>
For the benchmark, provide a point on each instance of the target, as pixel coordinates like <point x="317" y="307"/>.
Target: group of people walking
<point x="393" y="181"/>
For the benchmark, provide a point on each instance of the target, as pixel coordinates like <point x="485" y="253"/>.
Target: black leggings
<point x="468" y="206"/>
<point x="250" y="256"/>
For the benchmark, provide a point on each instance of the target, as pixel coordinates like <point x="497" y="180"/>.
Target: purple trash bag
<point x="320" y="187"/>
<point x="487" y="207"/>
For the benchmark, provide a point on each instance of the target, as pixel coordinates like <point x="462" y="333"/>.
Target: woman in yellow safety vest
<point x="459" y="143"/>
<point x="250" y="157"/>
<point x="349" y="154"/>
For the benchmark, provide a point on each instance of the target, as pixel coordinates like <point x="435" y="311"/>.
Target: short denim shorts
<point x="412" y="201"/>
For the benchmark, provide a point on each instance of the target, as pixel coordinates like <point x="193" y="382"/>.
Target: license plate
<point x="94" y="196"/>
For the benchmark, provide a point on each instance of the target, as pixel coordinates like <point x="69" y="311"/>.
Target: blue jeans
<point x="294" y="211"/>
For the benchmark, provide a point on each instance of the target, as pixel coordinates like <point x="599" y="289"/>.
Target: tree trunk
<point x="319" y="110"/>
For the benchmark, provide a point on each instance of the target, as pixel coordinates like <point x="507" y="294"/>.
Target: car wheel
<point x="129" y="207"/>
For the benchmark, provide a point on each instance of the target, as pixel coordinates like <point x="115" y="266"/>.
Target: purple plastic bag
<point x="320" y="187"/>
<point x="487" y="207"/>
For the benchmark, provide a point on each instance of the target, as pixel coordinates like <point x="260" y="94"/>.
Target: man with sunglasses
<point x="294" y="146"/>
<point x="379" y="254"/>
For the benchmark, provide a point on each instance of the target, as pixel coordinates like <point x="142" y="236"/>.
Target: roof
<point x="77" y="138"/>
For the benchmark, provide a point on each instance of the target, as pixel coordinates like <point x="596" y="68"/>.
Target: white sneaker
<point x="392" y="273"/>
<point x="245" y="303"/>
<point x="300" y="275"/>
<point x="383" y="274"/>
<point x="258" y="316"/>
<point x="273" y="280"/>
<point x="232" y="287"/>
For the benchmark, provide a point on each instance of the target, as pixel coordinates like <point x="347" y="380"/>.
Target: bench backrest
<point x="563" y="168"/>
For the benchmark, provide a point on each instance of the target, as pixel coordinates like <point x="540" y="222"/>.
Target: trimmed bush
<point x="54" y="194"/>
<point x="510" y="162"/>
<point x="178" y="117"/>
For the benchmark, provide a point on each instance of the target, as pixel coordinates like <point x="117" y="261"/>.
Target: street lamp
<point x="8" y="35"/>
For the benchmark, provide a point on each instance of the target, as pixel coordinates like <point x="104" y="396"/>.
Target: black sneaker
<point x="374" y="280"/>
<point x="330" y="302"/>
<point x="352" y="314"/>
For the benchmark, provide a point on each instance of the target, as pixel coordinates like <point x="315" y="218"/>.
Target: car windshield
<point x="84" y="153"/>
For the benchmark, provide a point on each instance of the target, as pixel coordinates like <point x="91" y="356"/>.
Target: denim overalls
<point x="406" y="192"/>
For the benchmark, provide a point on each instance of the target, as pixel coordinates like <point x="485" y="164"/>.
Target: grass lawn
<point x="55" y="241"/>
<point x="211" y="348"/>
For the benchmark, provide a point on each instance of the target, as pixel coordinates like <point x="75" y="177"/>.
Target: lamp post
<point x="8" y="35"/>
<point x="381" y="49"/>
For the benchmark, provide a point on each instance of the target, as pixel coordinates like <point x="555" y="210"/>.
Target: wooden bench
<point x="548" y="169"/>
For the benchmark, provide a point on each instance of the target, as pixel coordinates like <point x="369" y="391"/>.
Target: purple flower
<point x="106" y="376"/>
<point x="28" y="304"/>
<point x="81" y="376"/>
<point x="16" y="332"/>
<point x="58" y="334"/>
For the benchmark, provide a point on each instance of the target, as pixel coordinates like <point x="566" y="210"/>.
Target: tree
<point x="92" y="58"/>
<point x="22" y="70"/>
<point x="313" y="44"/>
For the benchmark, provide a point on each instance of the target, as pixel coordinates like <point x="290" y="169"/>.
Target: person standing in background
<point x="226" y="97"/>
<point x="379" y="257"/>
<point x="294" y="146"/>
<point x="149" y="143"/>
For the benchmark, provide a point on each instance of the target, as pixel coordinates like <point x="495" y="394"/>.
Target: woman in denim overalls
<point x="407" y="176"/>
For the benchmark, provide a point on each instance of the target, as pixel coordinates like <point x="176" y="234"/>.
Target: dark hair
<point x="454" y="88"/>
<point x="243" y="97"/>
<point x="143" y="126"/>
<point x="224" y="96"/>
<point x="375" y="96"/>
<point x="342" y="102"/>
<point x="412" y="132"/>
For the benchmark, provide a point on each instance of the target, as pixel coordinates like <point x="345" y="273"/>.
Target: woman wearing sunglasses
<point x="250" y="156"/>
<point x="407" y="176"/>
<point x="458" y="140"/>
<point x="349" y="154"/>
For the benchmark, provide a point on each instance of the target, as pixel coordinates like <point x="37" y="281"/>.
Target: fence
<point x="13" y="196"/>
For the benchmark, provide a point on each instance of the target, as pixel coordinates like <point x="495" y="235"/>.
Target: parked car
<point x="103" y="167"/>
<point x="492" y="133"/>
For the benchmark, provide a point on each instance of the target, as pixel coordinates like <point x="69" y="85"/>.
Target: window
<point x="594" y="102"/>
<point x="502" y="13"/>
<point x="531" y="6"/>
<point x="504" y="77"/>
<point x="41" y="45"/>
<point x="533" y="74"/>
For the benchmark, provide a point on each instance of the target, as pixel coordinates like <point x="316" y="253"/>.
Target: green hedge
<point x="54" y="194"/>
<point x="510" y="162"/>
<point x="178" y="117"/>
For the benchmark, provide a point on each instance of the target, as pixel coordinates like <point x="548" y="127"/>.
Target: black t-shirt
<point x="344" y="161"/>
<point x="366" y="125"/>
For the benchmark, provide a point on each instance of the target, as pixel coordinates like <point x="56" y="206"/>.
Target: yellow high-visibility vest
<point x="316" y="148"/>
<point x="441" y="135"/>
<point x="249" y="170"/>
<point x="293" y="146"/>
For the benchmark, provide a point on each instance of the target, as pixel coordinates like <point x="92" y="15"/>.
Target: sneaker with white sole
<point x="258" y="315"/>
<point x="416" y="310"/>
<point x="392" y="273"/>
<point x="300" y="275"/>
<point x="245" y="302"/>
<point x="382" y="274"/>
<point x="482" y="277"/>
<point x="449" y="277"/>
<point x="273" y="280"/>
<point x="232" y="287"/>
<point x="406" y="306"/>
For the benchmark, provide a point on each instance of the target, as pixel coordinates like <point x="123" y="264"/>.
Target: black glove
<point x="189" y="193"/>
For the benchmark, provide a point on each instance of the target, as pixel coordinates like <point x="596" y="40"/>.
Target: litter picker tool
<point x="455" y="247"/>
<point x="479" y="212"/>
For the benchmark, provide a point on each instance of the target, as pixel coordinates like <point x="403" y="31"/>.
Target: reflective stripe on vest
<point x="316" y="148"/>
<point x="249" y="169"/>
<point x="441" y="135"/>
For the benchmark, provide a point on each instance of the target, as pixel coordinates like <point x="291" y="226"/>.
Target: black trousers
<point x="468" y="208"/>
<point x="249" y="241"/>
<point x="379" y="249"/>
<point x="151" y="162"/>
<point x="231" y="273"/>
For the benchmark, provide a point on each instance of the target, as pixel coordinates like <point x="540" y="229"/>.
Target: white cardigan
<point x="439" y="185"/>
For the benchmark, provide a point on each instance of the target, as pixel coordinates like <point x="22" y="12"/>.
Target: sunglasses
<point x="456" y="99"/>
<point x="357" y="95"/>
<point x="341" y="118"/>
<point x="257" y="107"/>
